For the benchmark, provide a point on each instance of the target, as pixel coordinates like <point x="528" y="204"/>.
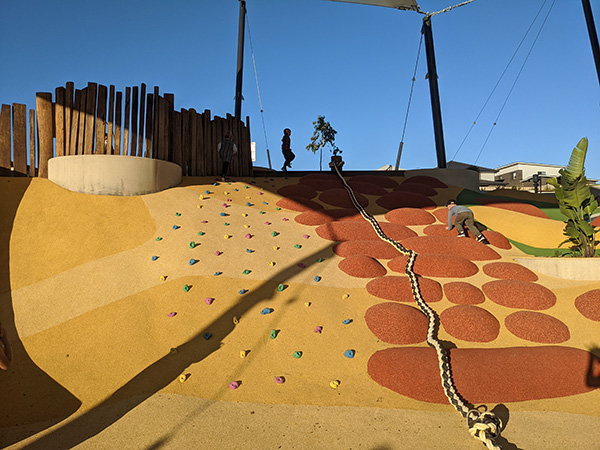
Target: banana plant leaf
<point x="577" y="160"/>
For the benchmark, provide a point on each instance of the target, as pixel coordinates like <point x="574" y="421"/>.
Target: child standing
<point x="226" y="149"/>
<point x="286" y="149"/>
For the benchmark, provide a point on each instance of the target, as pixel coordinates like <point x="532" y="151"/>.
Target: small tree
<point x="577" y="203"/>
<point x="323" y="135"/>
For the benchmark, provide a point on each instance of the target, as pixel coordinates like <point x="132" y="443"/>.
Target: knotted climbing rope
<point x="485" y="426"/>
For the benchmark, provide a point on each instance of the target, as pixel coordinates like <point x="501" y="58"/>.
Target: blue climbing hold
<point x="193" y="261"/>
<point x="249" y="251"/>
<point x="317" y="278"/>
<point x="218" y="273"/>
<point x="349" y="353"/>
<point x="248" y="204"/>
<point x="175" y="227"/>
<point x="222" y="214"/>
<point x="242" y="291"/>
<point x="154" y="258"/>
<point x="207" y="192"/>
<point x="266" y="311"/>
<point x="347" y="321"/>
<point x="207" y="336"/>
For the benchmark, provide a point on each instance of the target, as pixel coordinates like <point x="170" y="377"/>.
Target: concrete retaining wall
<point x="113" y="174"/>
<point x="566" y="268"/>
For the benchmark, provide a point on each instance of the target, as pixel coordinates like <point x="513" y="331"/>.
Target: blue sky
<point x="351" y="63"/>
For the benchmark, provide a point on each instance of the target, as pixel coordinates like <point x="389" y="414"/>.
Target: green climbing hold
<point x="278" y="209"/>
<point x="178" y="214"/>
<point x="246" y="272"/>
<point x="273" y="334"/>
<point x="159" y="238"/>
<point x="186" y="288"/>
<point x="192" y="244"/>
<point x="320" y="260"/>
<point x="200" y="233"/>
<point x="274" y="233"/>
<point x="297" y="355"/>
<point x="297" y="246"/>
<point x="280" y="288"/>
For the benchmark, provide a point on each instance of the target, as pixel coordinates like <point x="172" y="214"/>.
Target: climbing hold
<point x="260" y="193"/>
<point x="235" y="320"/>
<point x="204" y="221"/>
<point x="297" y="246"/>
<point x="173" y="350"/>
<point x="349" y="353"/>
<point x="192" y="244"/>
<point x="318" y="329"/>
<point x="234" y="385"/>
<point x="267" y="223"/>
<point x="248" y="236"/>
<point x="225" y="205"/>
<point x="248" y="204"/>
<point x="159" y="238"/>
<point x="198" y="205"/>
<point x="305" y="236"/>
<point x="163" y="277"/>
<point x="274" y="233"/>
<point x="246" y="271"/>
<point x="172" y="314"/>
<point x="218" y="273"/>
<point x="209" y="300"/>
<point x="193" y="261"/>
<point x="243" y="353"/>
<point x="175" y="227"/>
<point x="226" y="236"/>
<point x="301" y="265"/>
<point x="184" y="377"/>
<point x="347" y="321"/>
<point x="285" y="219"/>
<point x="226" y="224"/>
<point x="298" y="355"/>
<point x="345" y="296"/>
<point x="246" y="187"/>
<point x="279" y="380"/>
<point x="178" y="214"/>
<point x="281" y="287"/>
<point x="236" y="189"/>
<point x="218" y="253"/>
<point x="334" y="384"/>
<point x="201" y="197"/>
<point x="265" y="203"/>
<point x="274" y="334"/>
<point x="275" y="248"/>
<point x="242" y="291"/>
<point x="266" y="311"/>
<point x="227" y="193"/>
<point x="244" y="215"/>
<point x="317" y="278"/>
<point x="320" y="260"/>
<point x="307" y="304"/>
<point x="222" y="214"/>
<point x="207" y="335"/>
<point x="249" y="250"/>
<point x="186" y="288"/>
<point x="207" y="192"/>
<point x="278" y="209"/>
<point x="214" y="184"/>
<point x="246" y="226"/>
<point x="261" y="212"/>
<point x="201" y="233"/>
<point x="154" y="258"/>
<point x="271" y="263"/>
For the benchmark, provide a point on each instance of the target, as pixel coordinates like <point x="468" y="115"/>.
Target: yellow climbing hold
<point x="244" y="215"/>
<point x="184" y="377"/>
<point x="271" y="263"/>
<point x="163" y="278"/>
<point x="243" y="353"/>
<point x="275" y="248"/>
<point x="198" y="205"/>
<point x="246" y="226"/>
<point x="334" y="384"/>
<point x="345" y="296"/>
<point x="201" y="197"/>
<point x="235" y="320"/>
<point x="307" y="304"/>
<point x="226" y="236"/>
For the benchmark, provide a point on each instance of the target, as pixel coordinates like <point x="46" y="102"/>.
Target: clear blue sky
<point x="351" y="63"/>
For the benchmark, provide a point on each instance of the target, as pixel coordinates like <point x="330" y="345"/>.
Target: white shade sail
<point x="409" y="5"/>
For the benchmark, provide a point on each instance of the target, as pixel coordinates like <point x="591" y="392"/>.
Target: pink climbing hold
<point x="305" y="236"/>
<point x="279" y="380"/>
<point x="218" y="253"/>
<point x="204" y="221"/>
<point x="248" y="236"/>
<point x="285" y="219"/>
<point x="318" y="330"/>
<point x="234" y="385"/>
<point x="267" y="223"/>
<point x="209" y="300"/>
<point x="172" y="314"/>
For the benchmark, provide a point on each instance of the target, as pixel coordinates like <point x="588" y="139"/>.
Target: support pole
<point x="399" y="155"/>
<point x="240" y="62"/>
<point x="435" y="95"/>
<point x="589" y="20"/>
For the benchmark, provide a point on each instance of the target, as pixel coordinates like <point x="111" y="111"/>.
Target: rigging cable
<point x="412" y="86"/>
<point x="499" y="79"/>
<point x="515" y="82"/>
<point x="262" y="114"/>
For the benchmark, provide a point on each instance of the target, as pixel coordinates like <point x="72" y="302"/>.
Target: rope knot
<point x="485" y="426"/>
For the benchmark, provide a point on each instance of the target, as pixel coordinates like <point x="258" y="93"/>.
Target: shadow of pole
<point x="164" y="371"/>
<point x="29" y="395"/>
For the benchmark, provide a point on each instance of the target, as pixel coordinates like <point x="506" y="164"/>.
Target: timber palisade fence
<point x="98" y="120"/>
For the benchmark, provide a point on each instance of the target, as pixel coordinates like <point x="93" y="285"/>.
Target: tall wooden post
<point x="240" y="62"/>
<point x="436" y="110"/>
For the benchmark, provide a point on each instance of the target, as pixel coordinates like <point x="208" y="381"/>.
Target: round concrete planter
<point x="566" y="268"/>
<point x="113" y="174"/>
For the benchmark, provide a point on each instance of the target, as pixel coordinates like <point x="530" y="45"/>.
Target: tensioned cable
<point x="499" y="79"/>
<point x="412" y="86"/>
<point x="515" y="82"/>
<point x="262" y="115"/>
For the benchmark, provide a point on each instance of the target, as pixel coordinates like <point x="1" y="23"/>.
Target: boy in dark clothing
<point x="286" y="150"/>
<point x="226" y="149"/>
<point x="463" y="216"/>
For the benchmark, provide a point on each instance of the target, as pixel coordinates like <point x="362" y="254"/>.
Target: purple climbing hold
<point x="318" y="330"/>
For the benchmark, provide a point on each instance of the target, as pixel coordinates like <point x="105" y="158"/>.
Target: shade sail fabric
<point x="410" y="5"/>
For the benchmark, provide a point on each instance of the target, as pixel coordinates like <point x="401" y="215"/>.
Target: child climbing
<point x="286" y="150"/>
<point x="226" y="149"/>
<point x="463" y="216"/>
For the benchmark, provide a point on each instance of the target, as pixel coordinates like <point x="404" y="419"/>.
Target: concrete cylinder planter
<point x="583" y="269"/>
<point x="113" y="174"/>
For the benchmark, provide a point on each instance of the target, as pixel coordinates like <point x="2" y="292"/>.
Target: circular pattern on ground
<point x="429" y="265"/>
<point x="588" y="304"/>
<point x="443" y="245"/>
<point x="313" y="218"/>
<point x="374" y="249"/>
<point x="470" y="323"/>
<point x="395" y="199"/>
<point x="298" y="204"/>
<point x="297" y="190"/>
<point x="366" y="188"/>
<point x="424" y="179"/>
<point x="462" y="293"/>
<point x="416" y="188"/>
<point x="322" y="184"/>
<point x="410" y="216"/>
<point x="382" y="181"/>
<point x="340" y="197"/>
<point x="395" y="323"/>
<point x="519" y="294"/>
<point x="361" y="266"/>
<point x="537" y="327"/>
<point x="399" y="289"/>
<point x="350" y="231"/>
<point x="509" y="271"/>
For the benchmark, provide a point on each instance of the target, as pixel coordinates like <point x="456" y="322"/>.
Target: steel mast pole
<point x="589" y="20"/>
<point x="436" y="110"/>
<point x="240" y="62"/>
